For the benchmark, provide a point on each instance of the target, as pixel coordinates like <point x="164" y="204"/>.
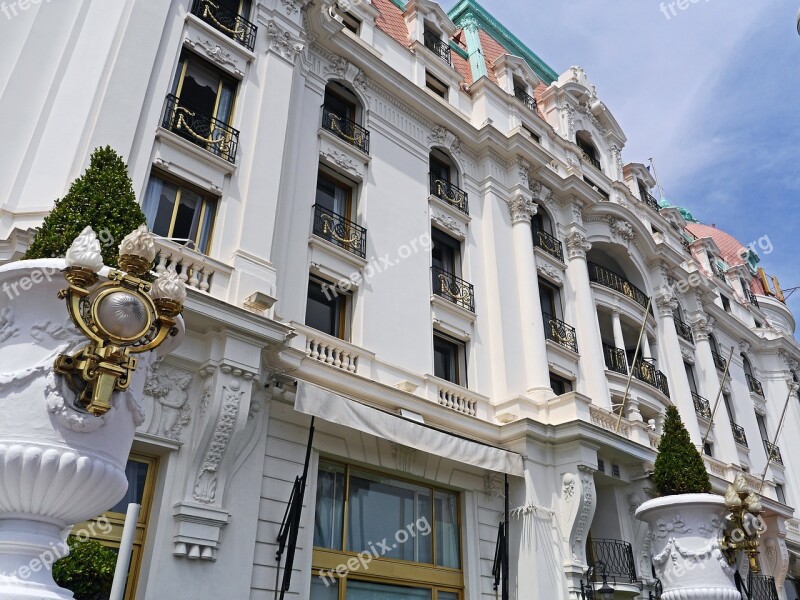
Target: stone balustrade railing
<point x="458" y="400"/>
<point x="196" y="270"/>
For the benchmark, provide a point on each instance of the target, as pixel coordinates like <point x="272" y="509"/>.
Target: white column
<point x="593" y="383"/>
<point x="537" y="372"/>
<point x="645" y="351"/>
<point x="672" y="365"/>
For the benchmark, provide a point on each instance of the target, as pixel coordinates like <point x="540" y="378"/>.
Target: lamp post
<point x="605" y="591"/>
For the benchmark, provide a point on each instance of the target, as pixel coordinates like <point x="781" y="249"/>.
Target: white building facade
<point x="388" y="207"/>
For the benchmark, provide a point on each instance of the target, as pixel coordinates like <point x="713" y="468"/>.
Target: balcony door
<point x="334" y="194"/>
<point x="341" y="101"/>
<point x="204" y="89"/>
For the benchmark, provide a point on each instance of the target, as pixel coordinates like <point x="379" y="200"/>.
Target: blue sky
<point x="712" y="94"/>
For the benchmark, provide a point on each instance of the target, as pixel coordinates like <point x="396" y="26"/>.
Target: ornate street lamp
<point x="604" y="592"/>
<point x="121" y="317"/>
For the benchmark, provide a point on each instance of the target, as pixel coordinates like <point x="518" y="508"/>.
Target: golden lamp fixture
<point x="121" y="317"/>
<point x="744" y="523"/>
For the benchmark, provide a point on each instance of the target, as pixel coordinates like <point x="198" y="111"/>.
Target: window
<point x="341" y="101"/>
<point x="204" y="89"/>
<point x="550" y="298"/>
<point x="446" y="253"/>
<point x="780" y="492"/>
<point x="708" y="449"/>
<point x="180" y="212"/>
<point x="420" y="524"/>
<point x="534" y="136"/>
<point x="584" y="142"/>
<point x="449" y="359"/>
<point x="442" y="167"/>
<point x="729" y="406"/>
<point x="334" y="194"/>
<point x="726" y="303"/>
<point x="762" y="428"/>
<point x="436" y="85"/>
<point x="350" y="22"/>
<point x="107" y="529"/>
<point x="326" y="308"/>
<point x="229" y="17"/>
<point x="690" y="376"/>
<point x="560" y="385"/>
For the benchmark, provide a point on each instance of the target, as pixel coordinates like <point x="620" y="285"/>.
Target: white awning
<point x="325" y="404"/>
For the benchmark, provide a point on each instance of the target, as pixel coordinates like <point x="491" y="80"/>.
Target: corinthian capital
<point x="702" y="327"/>
<point x="667" y="303"/>
<point x="577" y="245"/>
<point x="521" y="209"/>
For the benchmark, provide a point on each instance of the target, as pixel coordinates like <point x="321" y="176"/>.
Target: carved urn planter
<point x="686" y="531"/>
<point x="61" y="461"/>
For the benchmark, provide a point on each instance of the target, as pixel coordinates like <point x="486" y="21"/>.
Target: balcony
<point x="719" y="362"/>
<point x="528" y="100"/>
<point x="649" y="200"/>
<point x="754" y="385"/>
<point x="761" y="587"/>
<point x="684" y="331"/>
<point x="592" y="161"/>
<point x="339" y="231"/>
<point x="717" y="269"/>
<point x="701" y="406"/>
<point x="345" y="129"/>
<point x="618" y="283"/>
<point x="454" y="289"/>
<point x="438" y="46"/>
<point x="548" y="243"/>
<point x="615" y="359"/>
<point x="645" y="370"/>
<point x="203" y="130"/>
<point x="751" y="297"/>
<point x="616" y="556"/>
<point x="452" y="194"/>
<point x="773" y="452"/>
<point x="560" y="333"/>
<point x="228" y="22"/>
<point x="738" y="434"/>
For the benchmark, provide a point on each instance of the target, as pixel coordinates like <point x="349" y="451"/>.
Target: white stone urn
<point x="685" y="532"/>
<point x="58" y="465"/>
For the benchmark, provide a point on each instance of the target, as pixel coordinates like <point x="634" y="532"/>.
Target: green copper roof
<point x="687" y="216"/>
<point x="470" y="10"/>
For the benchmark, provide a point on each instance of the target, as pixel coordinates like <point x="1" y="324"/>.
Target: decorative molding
<point x="577" y="245"/>
<point x="451" y="224"/>
<point x="521" y="209"/>
<point x="168" y="389"/>
<point x="292" y="7"/>
<point x="702" y="327"/>
<point x="440" y="136"/>
<point x="283" y="43"/>
<point x="549" y="271"/>
<point x="341" y="68"/>
<point x="621" y="229"/>
<point x="667" y="303"/>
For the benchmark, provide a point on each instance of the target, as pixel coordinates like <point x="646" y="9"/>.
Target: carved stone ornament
<point x="168" y="389"/>
<point x="621" y="229"/>
<point x="667" y="303"/>
<point x="292" y="7"/>
<point x="521" y="209"/>
<point x="549" y="271"/>
<point x="215" y="52"/>
<point x="577" y="245"/>
<point x="283" y="43"/>
<point x="448" y="222"/>
<point x="702" y="327"/>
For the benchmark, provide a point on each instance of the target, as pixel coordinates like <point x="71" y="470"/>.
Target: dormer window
<point x="350" y="22"/>
<point x="521" y="93"/>
<point x="434" y="42"/>
<point x="589" y="151"/>
<point x="436" y="85"/>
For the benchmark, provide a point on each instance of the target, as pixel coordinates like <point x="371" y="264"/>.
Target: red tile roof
<point x="391" y="21"/>
<point x="730" y="248"/>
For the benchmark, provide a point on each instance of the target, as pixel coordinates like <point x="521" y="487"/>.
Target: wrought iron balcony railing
<point x="228" y="22"/>
<point x="684" y="330"/>
<point x="452" y="194"/>
<point x="438" y="46"/>
<point x="717" y="269"/>
<point x="645" y="370"/>
<point x="560" y="333"/>
<point x="618" y="283"/>
<point x="738" y="434"/>
<point x="701" y="406"/>
<point x="345" y="129"/>
<point x="719" y="362"/>
<point x="761" y="587"/>
<point x="524" y="97"/>
<point x="616" y="556"/>
<point x="754" y="385"/>
<point x="773" y="452"/>
<point x="548" y="243"/>
<point x="752" y="298"/>
<point x="615" y="359"/>
<point x="650" y="201"/>
<point x="203" y="130"/>
<point x="454" y="289"/>
<point x="339" y="231"/>
<point x="592" y="161"/>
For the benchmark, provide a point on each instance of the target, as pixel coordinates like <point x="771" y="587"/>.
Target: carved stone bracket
<point x="440" y="136"/>
<point x="283" y="43"/>
<point x="575" y="511"/>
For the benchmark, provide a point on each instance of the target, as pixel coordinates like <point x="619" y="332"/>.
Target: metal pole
<point x="775" y="438"/>
<point x="635" y="356"/>
<point x="716" y="402"/>
<point x="507" y="545"/>
<point x="125" y="549"/>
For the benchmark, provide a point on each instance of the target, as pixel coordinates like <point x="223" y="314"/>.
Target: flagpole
<point x="632" y="366"/>
<point x="716" y="402"/>
<point x="655" y="176"/>
<point x="770" y="450"/>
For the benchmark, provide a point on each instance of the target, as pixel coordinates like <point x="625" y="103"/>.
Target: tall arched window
<point x="584" y="141"/>
<point x="444" y="180"/>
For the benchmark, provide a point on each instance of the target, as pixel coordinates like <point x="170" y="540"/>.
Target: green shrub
<point x="103" y="198"/>
<point x="88" y="570"/>
<point x="679" y="467"/>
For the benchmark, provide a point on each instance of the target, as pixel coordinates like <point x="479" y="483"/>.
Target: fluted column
<point x="723" y="436"/>
<point x="672" y="363"/>
<point x="537" y="371"/>
<point x="593" y="383"/>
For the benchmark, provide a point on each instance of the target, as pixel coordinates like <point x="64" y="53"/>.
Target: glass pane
<point x="324" y="589"/>
<point x="186" y="220"/>
<point x="445" y="356"/>
<point x="322" y="310"/>
<point x="446" y="596"/>
<point x="136" y="472"/>
<point x="390" y="519"/>
<point x="363" y="590"/>
<point x="448" y="552"/>
<point x="165" y="205"/>
<point x="331" y="196"/>
<point x="330" y="507"/>
<point x="206" y="226"/>
<point x="199" y="89"/>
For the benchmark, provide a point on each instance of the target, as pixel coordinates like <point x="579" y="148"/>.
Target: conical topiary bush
<point x="679" y="467"/>
<point x="103" y="198"/>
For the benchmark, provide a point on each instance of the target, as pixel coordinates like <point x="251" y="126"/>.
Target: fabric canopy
<point x="322" y="403"/>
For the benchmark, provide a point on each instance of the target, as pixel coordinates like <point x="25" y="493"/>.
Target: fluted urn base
<point x="27" y="553"/>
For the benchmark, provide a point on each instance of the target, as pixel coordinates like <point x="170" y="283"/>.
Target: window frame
<point x="187" y="57"/>
<point x="460" y="361"/>
<point x="437" y="86"/>
<point x="340" y="181"/>
<point x="569" y="386"/>
<point x="344" y="300"/>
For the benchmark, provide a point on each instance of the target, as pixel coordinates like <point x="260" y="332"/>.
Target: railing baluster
<point x="345" y="129"/>
<point x="226" y="21"/>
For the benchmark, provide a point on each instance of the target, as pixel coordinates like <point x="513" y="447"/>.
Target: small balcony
<point x="701" y="406"/>
<point x="615" y="359"/>
<point x="228" y="22"/>
<point x="450" y="193"/>
<point x="616" y="556"/>
<point x="645" y="370"/>
<point x="548" y="243"/>
<point x="751" y="297"/>
<point x="738" y="434"/>
<point x="649" y="200"/>
<point x="609" y="279"/>
<point x="203" y="130"/>
<point x="560" y="333"/>
<point x="438" y="46"/>
<point x="592" y="161"/>
<point x="754" y="385"/>
<point x="524" y="97"/>
<point x="773" y="452"/>
<point x="717" y="269"/>
<point x="339" y="231"/>
<point x="684" y="331"/>
<point x="454" y="289"/>
<point x="719" y="362"/>
<point x="345" y="129"/>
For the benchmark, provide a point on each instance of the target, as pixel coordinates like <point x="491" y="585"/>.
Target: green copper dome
<point x="685" y="213"/>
